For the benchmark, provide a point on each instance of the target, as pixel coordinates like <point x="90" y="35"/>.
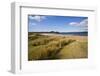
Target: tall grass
<point x="48" y="51"/>
<point x="74" y="50"/>
<point x="42" y="47"/>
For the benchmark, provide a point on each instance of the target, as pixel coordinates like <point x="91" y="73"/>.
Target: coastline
<point x="76" y="37"/>
<point x="62" y="35"/>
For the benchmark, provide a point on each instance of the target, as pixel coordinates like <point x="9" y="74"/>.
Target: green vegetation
<point x="42" y="47"/>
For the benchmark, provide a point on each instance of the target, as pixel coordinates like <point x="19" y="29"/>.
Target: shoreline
<point x="62" y="35"/>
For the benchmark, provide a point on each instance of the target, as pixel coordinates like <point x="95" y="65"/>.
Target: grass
<point x="74" y="50"/>
<point x="41" y="47"/>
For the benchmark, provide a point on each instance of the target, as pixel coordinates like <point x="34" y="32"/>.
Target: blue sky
<point x="43" y="23"/>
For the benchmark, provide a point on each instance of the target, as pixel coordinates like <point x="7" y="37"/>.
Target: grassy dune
<point x="43" y="47"/>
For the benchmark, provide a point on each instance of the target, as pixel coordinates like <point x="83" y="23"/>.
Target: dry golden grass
<point x="56" y="47"/>
<point x="74" y="50"/>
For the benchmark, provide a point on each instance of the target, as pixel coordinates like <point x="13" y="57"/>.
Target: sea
<point x="74" y="33"/>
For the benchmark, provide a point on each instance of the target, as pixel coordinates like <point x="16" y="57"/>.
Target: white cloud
<point x="83" y="23"/>
<point x="37" y="18"/>
<point x="74" y="23"/>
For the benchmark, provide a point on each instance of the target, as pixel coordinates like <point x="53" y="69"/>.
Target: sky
<point x="47" y="23"/>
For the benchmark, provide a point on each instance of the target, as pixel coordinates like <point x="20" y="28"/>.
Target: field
<point x="51" y="47"/>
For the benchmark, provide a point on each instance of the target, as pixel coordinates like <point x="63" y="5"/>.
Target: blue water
<point x="74" y="33"/>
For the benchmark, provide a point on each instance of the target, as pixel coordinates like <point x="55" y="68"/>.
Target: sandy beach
<point x="76" y="37"/>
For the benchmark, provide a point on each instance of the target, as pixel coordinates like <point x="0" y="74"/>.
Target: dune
<point x="54" y="46"/>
